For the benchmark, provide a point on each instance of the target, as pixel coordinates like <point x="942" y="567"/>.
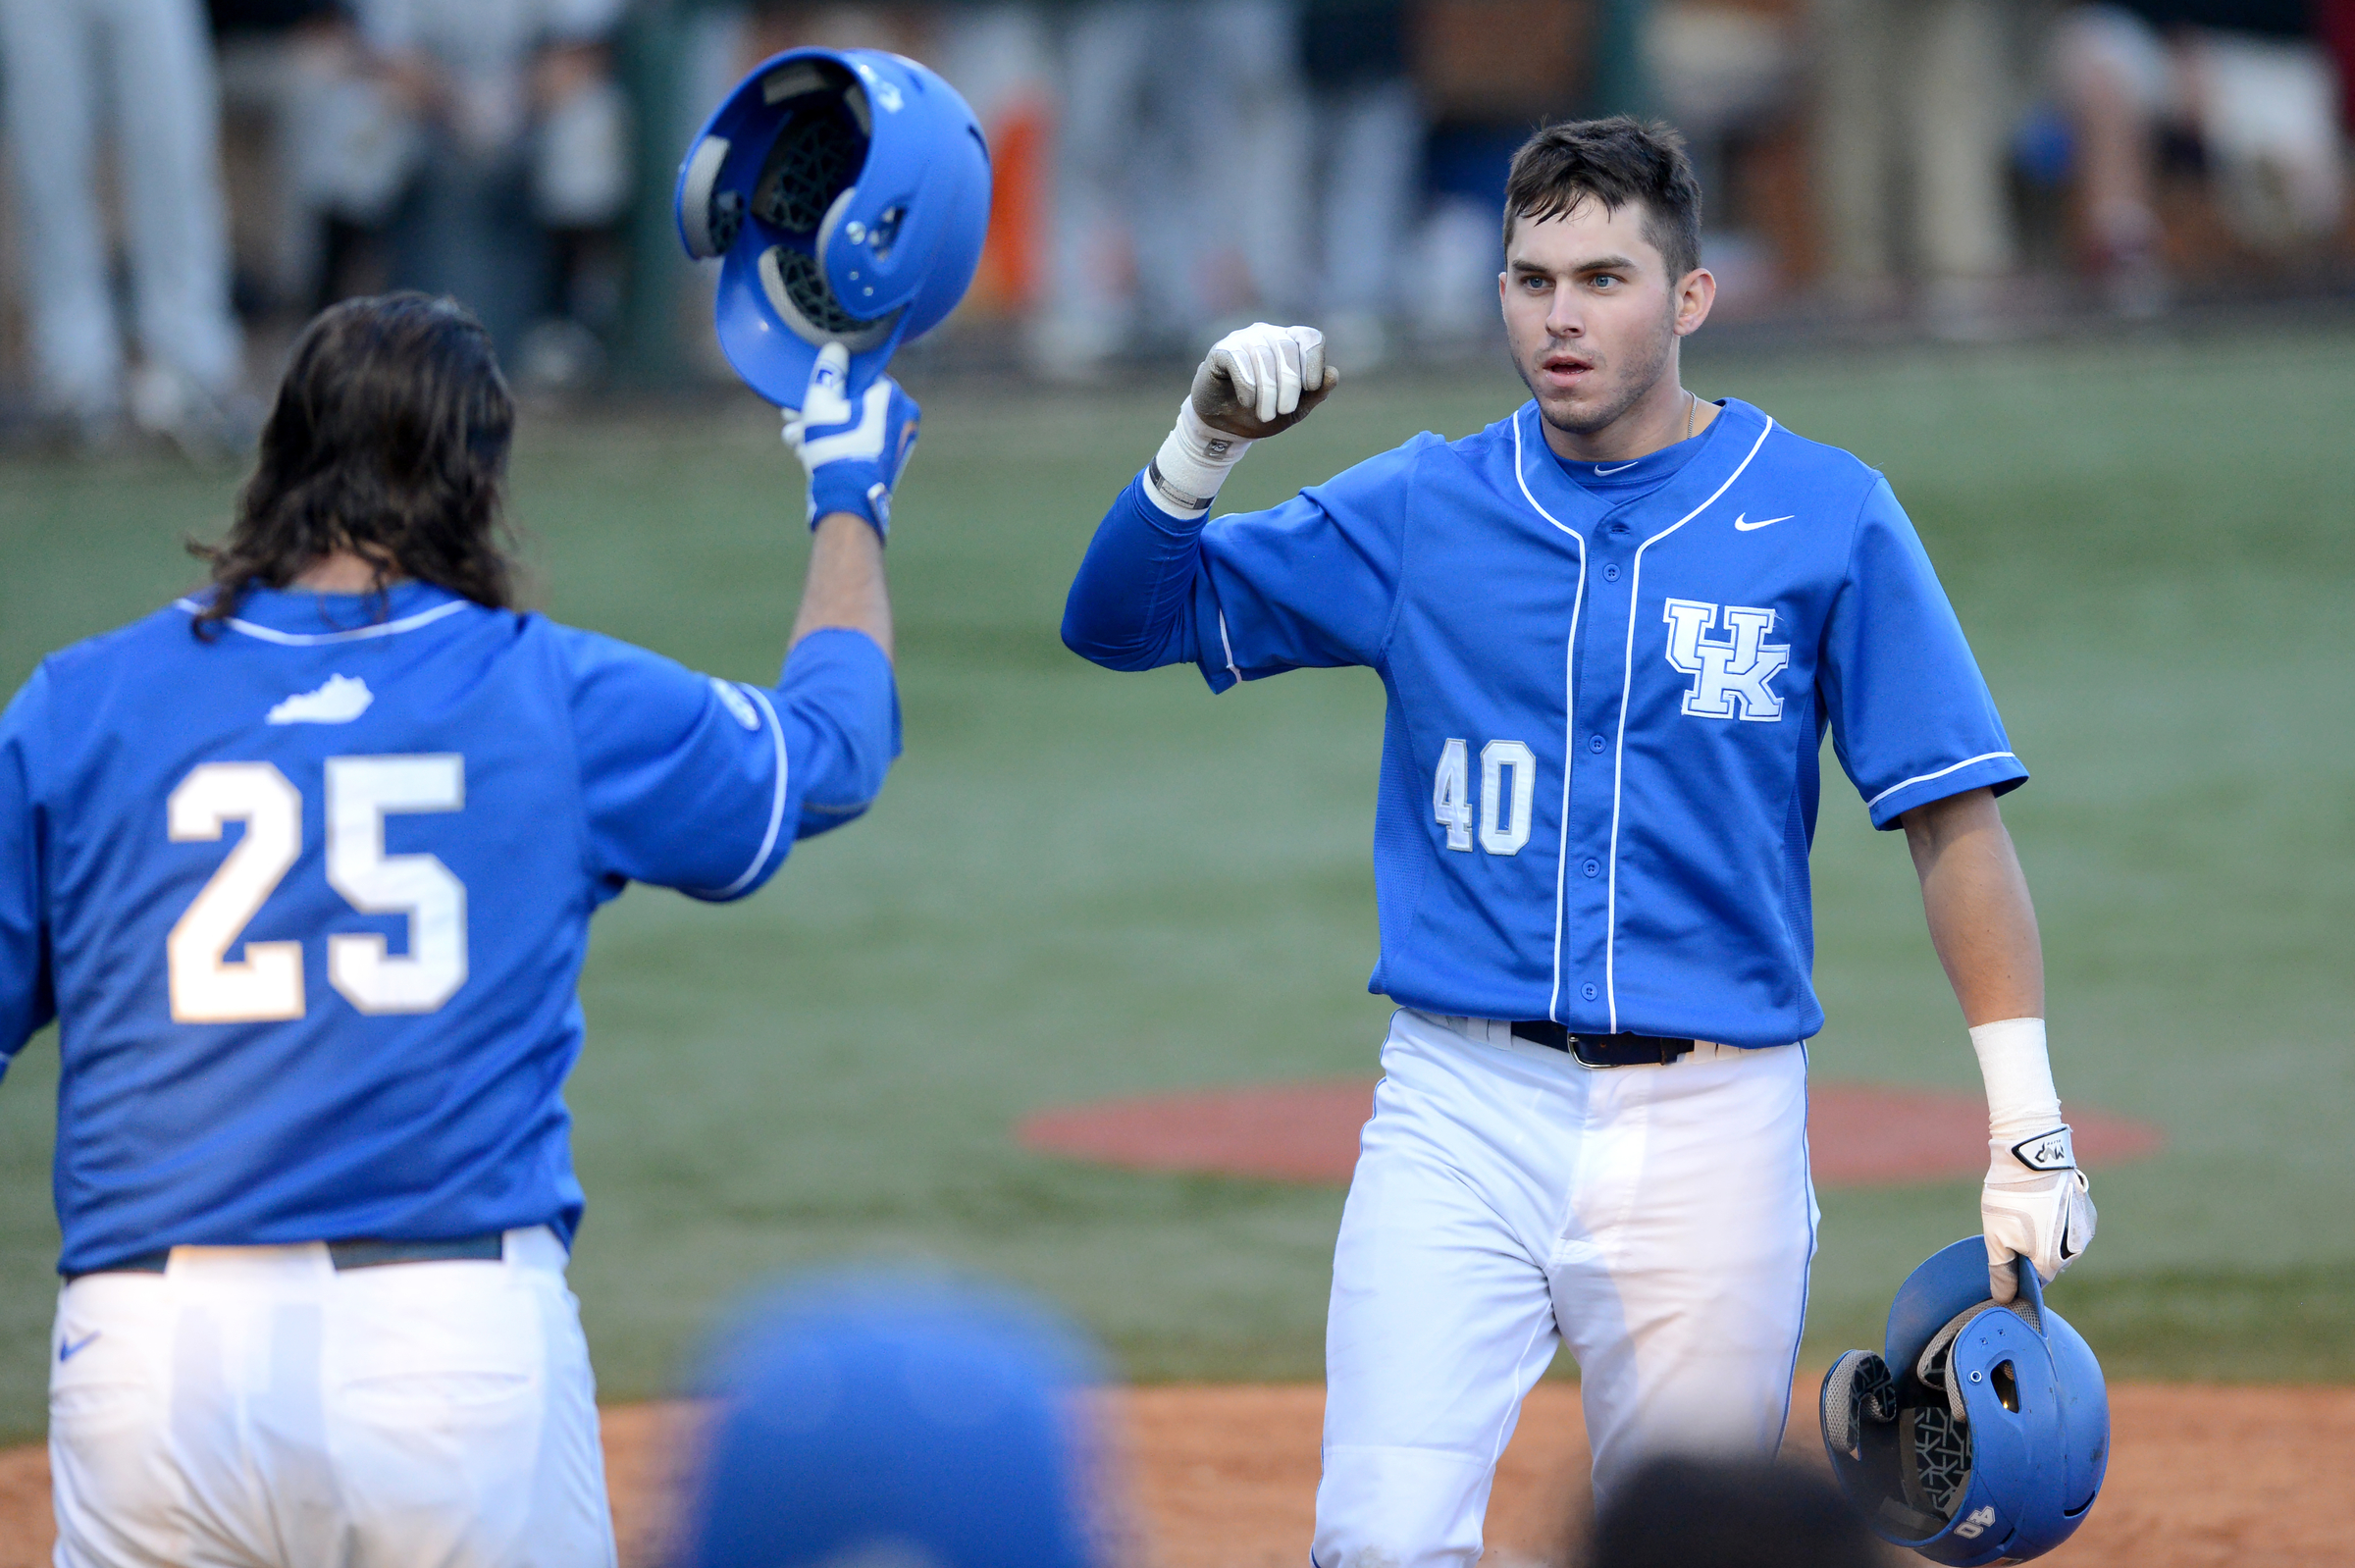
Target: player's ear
<point x="1695" y="294"/>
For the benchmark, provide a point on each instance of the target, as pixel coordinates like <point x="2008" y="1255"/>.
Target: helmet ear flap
<point x="709" y="218"/>
<point x="1857" y="1389"/>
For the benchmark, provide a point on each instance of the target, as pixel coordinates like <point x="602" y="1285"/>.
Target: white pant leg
<point x="255" y="1407"/>
<point x="1658" y="1218"/>
<point x="167" y="116"/>
<point x="1680" y="1278"/>
<point x="49" y="51"/>
<point x="1442" y="1317"/>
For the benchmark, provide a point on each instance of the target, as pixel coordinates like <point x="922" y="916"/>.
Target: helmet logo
<point x="886" y="95"/>
<point x="1975" y="1523"/>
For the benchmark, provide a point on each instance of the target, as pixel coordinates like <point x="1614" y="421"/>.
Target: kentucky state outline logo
<point x="1731" y="672"/>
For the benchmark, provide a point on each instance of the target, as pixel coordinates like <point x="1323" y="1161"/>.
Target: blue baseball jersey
<point x="309" y="898"/>
<point x="1606" y="703"/>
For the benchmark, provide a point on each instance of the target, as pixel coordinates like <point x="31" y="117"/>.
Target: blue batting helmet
<point x="846" y="193"/>
<point x="898" y="1421"/>
<point x="1980" y="1433"/>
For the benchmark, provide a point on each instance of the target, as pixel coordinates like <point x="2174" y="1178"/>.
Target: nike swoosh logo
<point x="1599" y="470"/>
<point x="70" y="1348"/>
<point x="1764" y="522"/>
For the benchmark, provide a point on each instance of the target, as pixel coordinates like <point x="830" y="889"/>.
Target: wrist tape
<point x="2022" y="1106"/>
<point x="1184" y="476"/>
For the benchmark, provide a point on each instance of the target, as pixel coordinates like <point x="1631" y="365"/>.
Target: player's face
<point x="1593" y="315"/>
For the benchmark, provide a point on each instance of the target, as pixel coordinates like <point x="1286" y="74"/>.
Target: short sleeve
<point x="704" y="784"/>
<point x="27" y="998"/>
<point x="1912" y="718"/>
<point x="1310" y="584"/>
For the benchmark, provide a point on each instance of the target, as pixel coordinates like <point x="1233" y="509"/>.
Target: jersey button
<point x="1595" y="743"/>
<point x="1610" y="573"/>
<point x="1592" y="867"/>
<point x="1587" y="990"/>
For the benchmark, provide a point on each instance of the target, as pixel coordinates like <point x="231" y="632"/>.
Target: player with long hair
<point x="304" y="866"/>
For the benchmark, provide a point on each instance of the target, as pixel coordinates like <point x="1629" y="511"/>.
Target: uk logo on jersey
<point x="1734" y="674"/>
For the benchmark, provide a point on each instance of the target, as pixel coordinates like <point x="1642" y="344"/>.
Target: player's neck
<point x="343" y="571"/>
<point x="1661" y="417"/>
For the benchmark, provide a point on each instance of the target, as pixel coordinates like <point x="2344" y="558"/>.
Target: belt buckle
<point x="1572" y="1042"/>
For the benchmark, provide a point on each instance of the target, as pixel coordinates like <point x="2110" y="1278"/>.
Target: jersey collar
<point x="300" y="616"/>
<point x="1726" y="449"/>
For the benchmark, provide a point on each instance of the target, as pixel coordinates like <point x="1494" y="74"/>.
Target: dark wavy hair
<point x="389" y="439"/>
<point x="1614" y="160"/>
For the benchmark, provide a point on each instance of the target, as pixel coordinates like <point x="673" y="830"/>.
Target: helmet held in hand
<point x="845" y="193"/>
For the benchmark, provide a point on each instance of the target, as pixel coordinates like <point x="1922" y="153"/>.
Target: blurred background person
<point x="1366" y="122"/>
<point x="319" y="144"/>
<point x="145" y="67"/>
<point x="1180" y="192"/>
<point x="898" y="1421"/>
<point x="1694" y="1513"/>
<point x="523" y="169"/>
<point x="2239" y="88"/>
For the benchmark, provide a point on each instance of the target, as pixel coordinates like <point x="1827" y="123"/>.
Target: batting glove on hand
<point x="1262" y="380"/>
<point x="853" y="453"/>
<point x="1255" y="383"/>
<point x="2034" y="1206"/>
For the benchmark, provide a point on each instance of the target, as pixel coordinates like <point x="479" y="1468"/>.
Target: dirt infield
<point x="1223" y="1478"/>
<point x="1858" y="1134"/>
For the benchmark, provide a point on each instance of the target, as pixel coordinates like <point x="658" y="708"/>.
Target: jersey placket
<point x="1582" y="981"/>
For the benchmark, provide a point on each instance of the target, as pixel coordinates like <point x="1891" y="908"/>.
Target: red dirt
<point x="1858" y="1134"/>
<point x="1225" y="1477"/>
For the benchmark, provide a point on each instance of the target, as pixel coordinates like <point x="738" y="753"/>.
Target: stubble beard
<point x="1628" y="390"/>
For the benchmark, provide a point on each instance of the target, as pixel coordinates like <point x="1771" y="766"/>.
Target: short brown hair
<point x="1612" y="161"/>
<point x="389" y="438"/>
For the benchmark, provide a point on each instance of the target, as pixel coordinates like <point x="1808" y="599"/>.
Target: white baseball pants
<point x="151" y="63"/>
<point x="1656" y="1220"/>
<point x="252" y="1407"/>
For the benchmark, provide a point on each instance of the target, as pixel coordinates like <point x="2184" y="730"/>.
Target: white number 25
<point x="266" y="985"/>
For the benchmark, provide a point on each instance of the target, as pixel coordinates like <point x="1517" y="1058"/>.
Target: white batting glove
<point x="854" y="453"/>
<point x="1262" y="379"/>
<point x="2034" y="1204"/>
<point x="1256" y="382"/>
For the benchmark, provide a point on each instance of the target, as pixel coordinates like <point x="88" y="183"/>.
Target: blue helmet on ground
<point x="898" y="1421"/>
<point x="845" y="195"/>
<point x="1980" y="1433"/>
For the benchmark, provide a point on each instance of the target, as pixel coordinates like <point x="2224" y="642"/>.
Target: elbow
<point x="1125" y="654"/>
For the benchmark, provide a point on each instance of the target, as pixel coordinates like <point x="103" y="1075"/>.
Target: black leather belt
<point x="489" y="1247"/>
<point x="1602" y="1050"/>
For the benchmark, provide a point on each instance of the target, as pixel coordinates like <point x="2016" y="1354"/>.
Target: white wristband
<point x="1192" y="464"/>
<point x="2022" y="1101"/>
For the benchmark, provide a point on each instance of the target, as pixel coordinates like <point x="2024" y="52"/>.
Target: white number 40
<point x="266" y="985"/>
<point x="1503" y="825"/>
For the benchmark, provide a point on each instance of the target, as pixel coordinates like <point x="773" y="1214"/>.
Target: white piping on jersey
<point x="1561" y="845"/>
<point x="1924" y="778"/>
<point x="1627" y="681"/>
<point x="270" y="634"/>
<point x="776" y="808"/>
<point x="1228" y="648"/>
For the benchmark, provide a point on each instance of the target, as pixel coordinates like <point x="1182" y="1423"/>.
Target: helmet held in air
<point x="845" y="193"/>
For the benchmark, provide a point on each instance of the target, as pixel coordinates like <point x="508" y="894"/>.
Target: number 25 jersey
<point x="309" y="897"/>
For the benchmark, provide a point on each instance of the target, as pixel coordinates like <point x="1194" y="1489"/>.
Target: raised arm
<point x="1130" y="605"/>
<point x="853" y="454"/>
<point x="2034" y="1202"/>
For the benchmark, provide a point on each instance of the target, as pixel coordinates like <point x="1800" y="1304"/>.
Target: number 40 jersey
<point x="309" y="896"/>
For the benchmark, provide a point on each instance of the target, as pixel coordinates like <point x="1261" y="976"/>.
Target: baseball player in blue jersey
<point x="304" y="866"/>
<point x="1614" y="628"/>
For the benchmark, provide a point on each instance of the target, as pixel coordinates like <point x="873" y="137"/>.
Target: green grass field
<point x="1080" y="884"/>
